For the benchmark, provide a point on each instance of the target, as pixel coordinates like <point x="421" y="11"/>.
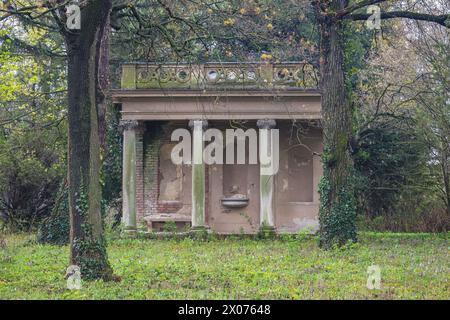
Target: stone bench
<point x="155" y="222"/>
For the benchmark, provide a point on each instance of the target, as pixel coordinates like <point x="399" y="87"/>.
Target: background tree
<point x="433" y="99"/>
<point x="338" y="203"/>
<point x="402" y="118"/>
<point x="86" y="81"/>
<point x="32" y="126"/>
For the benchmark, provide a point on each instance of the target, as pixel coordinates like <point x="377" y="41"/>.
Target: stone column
<point x="132" y="180"/>
<point x="267" y="175"/>
<point x="198" y="174"/>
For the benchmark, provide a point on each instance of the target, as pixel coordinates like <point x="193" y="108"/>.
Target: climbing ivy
<point x="55" y="229"/>
<point x="92" y="257"/>
<point x="338" y="218"/>
<point x="111" y="174"/>
<point x="337" y="213"/>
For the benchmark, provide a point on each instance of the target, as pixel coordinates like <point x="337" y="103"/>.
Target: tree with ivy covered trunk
<point x="85" y="63"/>
<point x="85" y="28"/>
<point x="338" y="205"/>
<point x="86" y="48"/>
<point x="87" y="56"/>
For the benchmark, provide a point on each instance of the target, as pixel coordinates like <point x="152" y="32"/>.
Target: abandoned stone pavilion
<point x="223" y="198"/>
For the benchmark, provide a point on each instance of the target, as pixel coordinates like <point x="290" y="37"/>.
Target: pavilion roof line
<point x="216" y="76"/>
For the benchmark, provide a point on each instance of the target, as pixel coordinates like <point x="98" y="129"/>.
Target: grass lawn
<point x="413" y="266"/>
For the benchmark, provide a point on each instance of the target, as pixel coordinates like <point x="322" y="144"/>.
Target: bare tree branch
<point x="443" y="20"/>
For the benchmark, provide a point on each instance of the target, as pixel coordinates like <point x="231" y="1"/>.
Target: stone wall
<point x="295" y="199"/>
<point x="157" y="138"/>
<point x="152" y="141"/>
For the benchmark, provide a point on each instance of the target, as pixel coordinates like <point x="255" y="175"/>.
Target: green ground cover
<point x="413" y="266"/>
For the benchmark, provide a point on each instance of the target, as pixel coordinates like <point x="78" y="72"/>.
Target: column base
<point x="199" y="229"/>
<point x="267" y="232"/>
<point x="199" y="232"/>
<point x="142" y="226"/>
<point x="129" y="232"/>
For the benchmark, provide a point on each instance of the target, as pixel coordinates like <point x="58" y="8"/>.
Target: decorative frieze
<point x="220" y="75"/>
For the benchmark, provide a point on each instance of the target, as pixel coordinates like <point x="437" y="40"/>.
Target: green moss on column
<point x="198" y="175"/>
<point x="266" y="186"/>
<point x="198" y="195"/>
<point x="266" y="194"/>
<point x="129" y="175"/>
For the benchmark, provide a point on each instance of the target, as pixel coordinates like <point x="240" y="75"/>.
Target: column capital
<point x="266" y="124"/>
<point x="204" y="123"/>
<point x="126" y="125"/>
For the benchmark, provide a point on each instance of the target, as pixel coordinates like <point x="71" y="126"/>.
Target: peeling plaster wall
<point x="171" y="175"/>
<point x="164" y="183"/>
<point x="225" y="180"/>
<point x="296" y="202"/>
<point x="152" y="141"/>
<point x="296" y="185"/>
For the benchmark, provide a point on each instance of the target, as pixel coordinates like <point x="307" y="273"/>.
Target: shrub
<point x="55" y="229"/>
<point x="31" y="169"/>
<point x="433" y="220"/>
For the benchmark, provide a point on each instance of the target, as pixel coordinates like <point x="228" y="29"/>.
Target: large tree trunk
<point x="84" y="57"/>
<point x="337" y="209"/>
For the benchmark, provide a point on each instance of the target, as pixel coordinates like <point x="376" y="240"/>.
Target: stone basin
<point x="236" y="201"/>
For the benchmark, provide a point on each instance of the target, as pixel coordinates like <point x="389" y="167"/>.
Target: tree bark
<point x="337" y="208"/>
<point x="84" y="49"/>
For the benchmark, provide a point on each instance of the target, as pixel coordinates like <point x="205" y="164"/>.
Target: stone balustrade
<point x="300" y="76"/>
